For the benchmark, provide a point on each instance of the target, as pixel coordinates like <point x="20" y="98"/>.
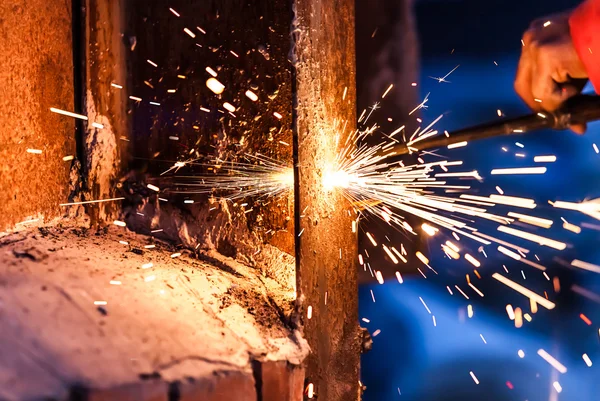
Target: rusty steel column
<point x="36" y="73"/>
<point x="326" y="247"/>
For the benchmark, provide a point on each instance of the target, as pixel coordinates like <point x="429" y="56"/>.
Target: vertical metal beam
<point x="36" y="73"/>
<point x="326" y="248"/>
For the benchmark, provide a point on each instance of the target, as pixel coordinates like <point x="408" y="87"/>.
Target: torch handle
<point x="577" y="110"/>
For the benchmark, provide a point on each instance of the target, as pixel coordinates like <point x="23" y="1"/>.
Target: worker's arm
<point x="559" y="54"/>
<point x="584" y="24"/>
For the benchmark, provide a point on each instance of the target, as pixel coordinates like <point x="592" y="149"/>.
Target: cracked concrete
<point x="181" y="325"/>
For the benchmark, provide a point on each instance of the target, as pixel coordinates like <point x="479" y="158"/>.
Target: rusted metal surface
<point x="326" y="247"/>
<point x="36" y="73"/>
<point x="104" y="61"/>
<point x="279" y="381"/>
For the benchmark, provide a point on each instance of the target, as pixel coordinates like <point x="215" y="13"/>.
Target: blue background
<point x="413" y="360"/>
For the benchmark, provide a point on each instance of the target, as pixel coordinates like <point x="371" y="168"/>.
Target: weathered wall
<point x="36" y="73"/>
<point x="104" y="56"/>
<point x="326" y="247"/>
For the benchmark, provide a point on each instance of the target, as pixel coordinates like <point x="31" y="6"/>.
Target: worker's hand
<point x="549" y="70"/>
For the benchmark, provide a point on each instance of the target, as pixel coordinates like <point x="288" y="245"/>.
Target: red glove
<point x="584" y="24"/>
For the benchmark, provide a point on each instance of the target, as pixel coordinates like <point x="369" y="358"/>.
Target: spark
<point x="522" y="170"/>
<point x="100" y="303"/>
<point x="474" y="377"/>
<point x="524" y="291"/>
<point x="229" y="107"/>
<point x="461" y="291"/>
<point x="251" y="95"/>
<point x="585" y="266"/>
<point x="249" y="176"/>
<point x="379" y="277"/>
<point x="518" y="318"/>
<point x="34" y="151"/>
<point x="387" y="91"/>
<point x="544" y="223"/>
<point x="585" y="319"/>
<point x="509" y="253"/>
<point x="421" y="105"/>
<point x="472" y="260"/>
<point x="587" y="360"/>
<point x="443" y="79"/>
<point x="114" y="282"/>
<point x="425" y="305"/>
<point x="371" y="239"/>
<point x="557" y="387"/>
<point x="572" y="227"/>
<point x="422" y="258"/>
<point x="452" y="246"/>
<point x="192" y="34"/>
<point x="534" y="238"/>
<point x="119" y="223"/>
<point x="68" y="113"/>
<point x="429" y="230"/>
<point x="510" y="311"/>
<point x="552" y="361"/>
<point x="544" y="159"/>
<point x="476" y="290"/>
<point x="458" y="145"/>
<point x="215" y="86"/>
<point x="92" y="201"/>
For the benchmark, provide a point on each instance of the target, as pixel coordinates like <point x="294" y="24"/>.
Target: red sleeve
<point x="585" y="31"/>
